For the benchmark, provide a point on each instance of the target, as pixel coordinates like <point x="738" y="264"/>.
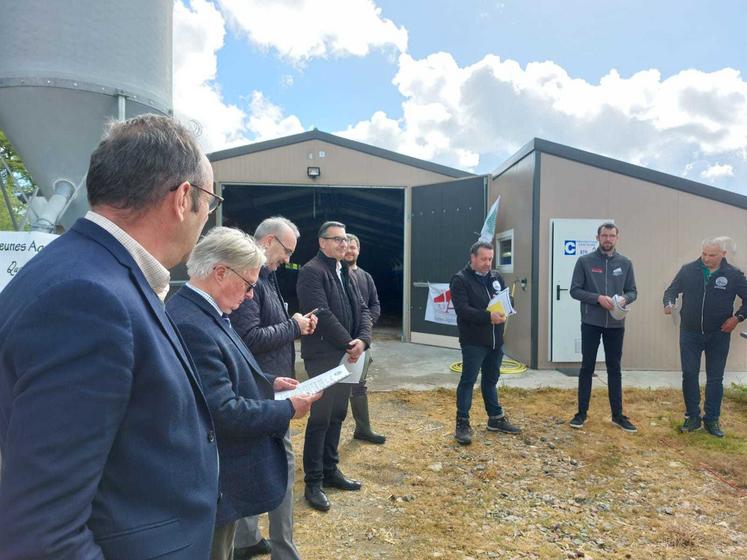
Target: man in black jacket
<point x="264" y="324"/>
<point x="709" y="286"/>
<point x="598" y="277"/>
<point x="359" y="396"/>
<point x="344" y="326"/>
<point x="481" y="340"/>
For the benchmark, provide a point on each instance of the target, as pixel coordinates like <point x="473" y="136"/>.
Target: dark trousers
<point x="613" y="345"/>
<point x="320" y="455"/>
<point x="474" y="360"/>
<point x="716" y="348"/>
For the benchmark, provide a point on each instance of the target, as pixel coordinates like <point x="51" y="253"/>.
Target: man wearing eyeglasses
<point x="107" y="441"/>
<point x="264" y="324"/>
<point x="250" y="424"/>
<point x="344" y="326"/>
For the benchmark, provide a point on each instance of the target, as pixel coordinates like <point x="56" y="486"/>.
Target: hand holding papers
<point x="315" y="384"/>
<point x="618" y="311"/>
<point x="501" y="303"/>
<point x="355" y="369"/>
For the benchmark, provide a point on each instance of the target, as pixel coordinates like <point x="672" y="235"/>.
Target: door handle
<point x="558" y="289"/>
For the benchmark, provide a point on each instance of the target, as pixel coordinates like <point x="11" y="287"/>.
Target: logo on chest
<point x="597" y="269"/>
<point x="617" y="272"/>
<point x="721" y="282"/>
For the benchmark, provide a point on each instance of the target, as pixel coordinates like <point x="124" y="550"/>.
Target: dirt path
<point x="550" y="493"/>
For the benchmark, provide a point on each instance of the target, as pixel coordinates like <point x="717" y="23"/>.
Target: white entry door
<point x="569" y="239"/>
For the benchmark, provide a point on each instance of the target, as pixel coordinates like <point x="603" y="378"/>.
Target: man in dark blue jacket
<point x="344" y="327"/>
<point x="709" y="286"/>
<point x="107" y="442"/>
<point x="264" y="324"/>
<point x="598" y="277"/>
<point x="481" y="339"/>
<point x="249" y="422"/>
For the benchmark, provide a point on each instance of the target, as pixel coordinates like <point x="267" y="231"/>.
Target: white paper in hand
<point x="355" y="369"/>
<point x="315" y="384"/>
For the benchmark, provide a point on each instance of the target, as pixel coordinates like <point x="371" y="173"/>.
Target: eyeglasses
<point x="288" y="252"/>
<point x="249" y="286"/>
<point x="214" y="202"/>
<point x="338" y="240"/>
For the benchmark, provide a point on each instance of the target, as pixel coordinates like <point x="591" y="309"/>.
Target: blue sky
<point x="466" y="83"/>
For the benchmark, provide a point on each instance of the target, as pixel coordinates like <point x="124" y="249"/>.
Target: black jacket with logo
<point x="470" y="297"/>
<point x="705" y="307"/>
<point x="598" y="274"/>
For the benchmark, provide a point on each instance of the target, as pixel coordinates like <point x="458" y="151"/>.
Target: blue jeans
<point x="716" y="348"/>
<point x="475" y="358"/>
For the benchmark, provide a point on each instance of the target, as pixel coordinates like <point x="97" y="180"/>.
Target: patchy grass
<point x="552" y="492"/>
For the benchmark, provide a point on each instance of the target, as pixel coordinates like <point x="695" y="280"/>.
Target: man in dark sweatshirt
<point x="598" y="277"/>
<point x="709" y="285"/>
<point x="481" y="340"/>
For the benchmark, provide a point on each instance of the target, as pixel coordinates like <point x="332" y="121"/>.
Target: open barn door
<point x="445" y="221"/>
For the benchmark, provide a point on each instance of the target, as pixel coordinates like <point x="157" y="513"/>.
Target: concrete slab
<point x="400" y="365"/>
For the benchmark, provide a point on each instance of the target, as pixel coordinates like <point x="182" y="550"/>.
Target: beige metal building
<point x="553" y="197"/>
<point x="417" y="220"/>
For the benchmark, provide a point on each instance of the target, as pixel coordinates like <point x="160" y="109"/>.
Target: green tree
<point x="18" y="184"/>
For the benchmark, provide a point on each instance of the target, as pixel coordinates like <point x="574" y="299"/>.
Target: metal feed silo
<point x="69" y="66"/>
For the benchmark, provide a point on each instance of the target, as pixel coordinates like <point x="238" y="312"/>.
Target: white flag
<point x="488" y="228"/>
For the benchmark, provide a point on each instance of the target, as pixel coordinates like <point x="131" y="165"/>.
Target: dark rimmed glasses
<point x="336" y="239"/>
<point x="214" y="202"/>
<point x="288" y="252"/>
<point x="249" y="286"/>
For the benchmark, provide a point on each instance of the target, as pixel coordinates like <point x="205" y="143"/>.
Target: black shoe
<point x="624" y="423"/>
<point x="247" y="552"/>
<point x="691" y="424"/>
<point x="502" y="425"/>
<point x="463" y="431"/>
<point x="370" y="437"/>
<point x="316" y="497"/>
<point x="340" y="481"/>
<point x="578" y="421"/>
<point x="713" y="428"/>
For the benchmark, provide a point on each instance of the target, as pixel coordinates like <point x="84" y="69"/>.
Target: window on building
<point x="504" y="244"/>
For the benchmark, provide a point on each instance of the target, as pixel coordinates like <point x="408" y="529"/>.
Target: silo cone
<point x="69" y="67"/>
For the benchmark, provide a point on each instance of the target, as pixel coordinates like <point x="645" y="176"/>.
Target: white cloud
<point x="693" y="122"/>
<point x="267" y="120"/>
<point x="300" y="30"/>
<point x="718" y="171"/>
<point x="199" y="31"/>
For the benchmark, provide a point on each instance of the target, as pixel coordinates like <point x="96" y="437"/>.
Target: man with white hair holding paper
<point x="709" y="285"/>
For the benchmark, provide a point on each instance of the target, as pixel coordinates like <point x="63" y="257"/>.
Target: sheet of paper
<point x="355" y="369"/>
<point x="501" y="303"/>
<point x="315" y="384"/>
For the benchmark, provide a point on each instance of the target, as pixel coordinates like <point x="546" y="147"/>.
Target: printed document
<point x="315" y="384"/>
<point x="501" y="303"/>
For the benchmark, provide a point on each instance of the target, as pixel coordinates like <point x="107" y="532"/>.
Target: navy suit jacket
<point x="250" y="424"/>
<point x="107" y="442"/>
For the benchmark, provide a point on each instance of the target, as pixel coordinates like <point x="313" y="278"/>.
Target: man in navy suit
<point x="223" y="270"/>
<point x="107" y="441"/>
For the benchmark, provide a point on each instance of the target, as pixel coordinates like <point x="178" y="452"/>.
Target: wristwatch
<point x="739" y="317"/>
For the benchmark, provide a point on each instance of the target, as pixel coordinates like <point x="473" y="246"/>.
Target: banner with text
<point x="17" y="248"/>
<point x="439" y="308"/>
